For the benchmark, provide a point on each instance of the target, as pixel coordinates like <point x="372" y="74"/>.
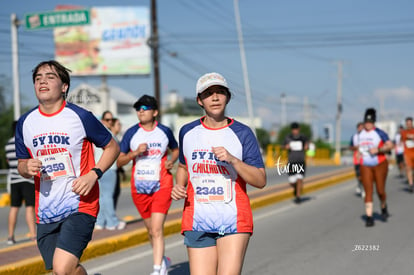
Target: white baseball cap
<point x="208" y="80"/>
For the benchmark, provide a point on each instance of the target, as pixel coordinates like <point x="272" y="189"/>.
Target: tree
<point x="2" y="93"/>
<point x="263" y="137"/>
<point x="6" y="121"/>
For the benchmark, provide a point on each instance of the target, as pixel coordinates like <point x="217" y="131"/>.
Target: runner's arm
<point x="179" y="190"/>
<point x="84" y="184"/>
<point x="174" y="156"/>
<point x="252" y="175"/>
<point x="109" y="155"/>
<point x="123" y="158"/>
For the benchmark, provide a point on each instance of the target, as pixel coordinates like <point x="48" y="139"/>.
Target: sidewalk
<point x="25" y="258"/>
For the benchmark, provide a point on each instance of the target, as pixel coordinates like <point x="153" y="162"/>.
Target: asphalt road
<point x="326" y="234"/>
<point x="126" y="210"/>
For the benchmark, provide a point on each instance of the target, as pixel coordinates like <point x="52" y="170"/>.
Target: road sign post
<point x="55" y="19"/>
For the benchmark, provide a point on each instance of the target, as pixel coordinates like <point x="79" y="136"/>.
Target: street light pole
<point x="338" y="116"/>
<point x="15" y="65"/>
<point x="283" y="110"/>
<point x="155" y="58"/>
<point x="244" y="66"/>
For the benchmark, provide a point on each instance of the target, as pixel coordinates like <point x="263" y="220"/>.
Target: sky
<point x="292" y="48"/>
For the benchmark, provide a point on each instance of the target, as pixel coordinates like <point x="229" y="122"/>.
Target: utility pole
<point x="283" y="110"/>
<point x="306" y="111"/>
<point x="154" y="44"/>
<point x="381" y="108"/>
<point x="15" y="64"/>
<point x="244" y="66"/>
<point x="104" y="89"/>
<point x="338" y="116"/>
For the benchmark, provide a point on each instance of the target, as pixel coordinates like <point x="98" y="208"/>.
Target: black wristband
<point x="98" y="172"/>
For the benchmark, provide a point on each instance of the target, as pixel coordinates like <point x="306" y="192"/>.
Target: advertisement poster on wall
<point x="114" y="43"/>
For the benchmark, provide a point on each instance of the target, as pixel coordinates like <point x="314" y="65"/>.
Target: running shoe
<point x="11" y="241"/>
<point x="121" y="226"/>
<point x="166" y="263"/>
<point x="410" y="189"/>
<point x="98" y="227"/>
<point x="384" y="214"/>
<point x="155" y="273"/>
<point x="369" y="221"/>
<point x="298" y="200"/>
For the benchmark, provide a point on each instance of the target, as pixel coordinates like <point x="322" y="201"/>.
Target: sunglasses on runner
<point x="144" y="108"/>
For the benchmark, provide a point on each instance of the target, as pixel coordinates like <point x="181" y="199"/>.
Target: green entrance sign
<point x="55" y="19"/>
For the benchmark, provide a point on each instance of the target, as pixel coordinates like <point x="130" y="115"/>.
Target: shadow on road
<point x="179" y="269"/>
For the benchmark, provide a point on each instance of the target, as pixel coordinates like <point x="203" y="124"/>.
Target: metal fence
<point x="3" y="180"/>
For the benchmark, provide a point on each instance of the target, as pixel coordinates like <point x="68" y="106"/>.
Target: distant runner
<point x="357" y="161"/>
<point x="373" y="143"/>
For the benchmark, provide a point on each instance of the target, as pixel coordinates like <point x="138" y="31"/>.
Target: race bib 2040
<point x="147" y="177"/>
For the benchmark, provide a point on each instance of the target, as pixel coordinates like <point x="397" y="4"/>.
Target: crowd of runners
<point x="56" y="144"/>
<point x="373" y="150"/>
<point x="74" y="159"/>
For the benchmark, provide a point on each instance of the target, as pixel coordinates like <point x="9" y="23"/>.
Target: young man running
<point x="54" y="143"/>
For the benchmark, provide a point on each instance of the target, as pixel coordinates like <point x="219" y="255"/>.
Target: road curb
<point x="5" y="199"/>
<point x="108" y="245"/>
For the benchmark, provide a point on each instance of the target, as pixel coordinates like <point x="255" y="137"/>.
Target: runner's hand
<point x="142" y="148"/>
<point x="84" y="184"/>
<point x="169" y="164"/>
<point x="374" y="151"/>
<point x="178" y="192"/>
<point x="33" y="166"/>
<point x="222" y="154"/>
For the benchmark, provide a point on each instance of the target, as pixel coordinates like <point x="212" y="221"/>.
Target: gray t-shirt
<point x="297" y="148"/>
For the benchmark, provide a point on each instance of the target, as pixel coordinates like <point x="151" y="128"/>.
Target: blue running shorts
<point x="71" y="234"/>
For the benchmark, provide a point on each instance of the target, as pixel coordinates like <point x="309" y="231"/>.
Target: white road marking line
<point x="141" y="255"/>
<point x="147" y="253"/>
<point x="339" y="190"/>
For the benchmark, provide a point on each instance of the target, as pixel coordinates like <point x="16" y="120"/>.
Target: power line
<point x="206" y="13"/>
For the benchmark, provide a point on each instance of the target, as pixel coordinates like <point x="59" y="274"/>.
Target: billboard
<point x="114" y="43"/>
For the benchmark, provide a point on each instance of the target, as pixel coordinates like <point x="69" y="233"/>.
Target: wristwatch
<point x="98" y="172"/>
